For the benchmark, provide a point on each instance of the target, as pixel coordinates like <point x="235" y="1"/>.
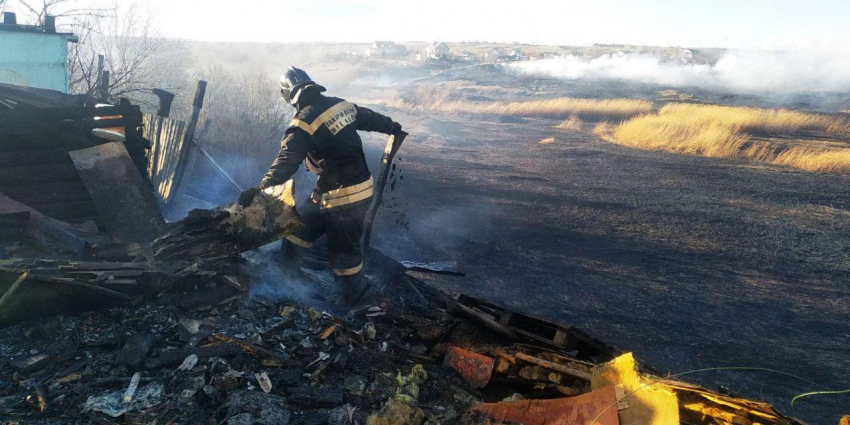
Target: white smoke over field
<point x="737" y="71"/>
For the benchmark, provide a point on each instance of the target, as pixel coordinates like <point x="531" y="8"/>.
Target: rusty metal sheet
<point x="597" y="408"/>
<point x="475" y="368"/>
<point x="123" y="200"/>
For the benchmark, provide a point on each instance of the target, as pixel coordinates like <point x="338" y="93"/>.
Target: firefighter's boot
<point x="352" y="288"/>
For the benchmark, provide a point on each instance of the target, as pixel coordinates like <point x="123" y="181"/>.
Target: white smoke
<point x="737" y="71"/>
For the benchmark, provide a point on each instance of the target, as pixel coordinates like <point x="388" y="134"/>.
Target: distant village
<point x="450" y="53"/>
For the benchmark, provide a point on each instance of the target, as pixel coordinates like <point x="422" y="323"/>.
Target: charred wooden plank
<point x="34" y="157"/>
<point x="64" y="191"/>
<point x="133" y="353"/>
<point x="555" y="334"/>
<point x="43" y="137"/>
<point x="46" y="233"/>
<point x="79" y="211"/>
<point x="575" y="373"/>
<point x="124" y="203"/>
<point x="39" y="174"/>
<point x="32" y="297"/>
<point x="26" y="117"/>
<point x="393" y="145"/>
<point x="175" y="357"/>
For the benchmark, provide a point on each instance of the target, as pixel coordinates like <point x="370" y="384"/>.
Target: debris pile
<point x="401" y="359"/>
<point x="199" y="252"/>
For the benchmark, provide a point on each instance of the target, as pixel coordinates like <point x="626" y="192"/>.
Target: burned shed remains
<point x="38" y="132"/>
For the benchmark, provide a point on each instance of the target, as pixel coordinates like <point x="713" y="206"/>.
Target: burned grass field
<point x="691" y="262"/>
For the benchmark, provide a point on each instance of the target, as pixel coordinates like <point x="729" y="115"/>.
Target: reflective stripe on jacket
<point x="324" y="136"/>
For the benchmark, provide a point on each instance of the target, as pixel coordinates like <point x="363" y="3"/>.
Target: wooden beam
<point x="103" y="86"/>
<point x="575" y="373"/>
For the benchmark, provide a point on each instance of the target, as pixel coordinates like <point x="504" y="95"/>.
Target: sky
<point x="772" y="24"/>
<point x="706" y="23"/>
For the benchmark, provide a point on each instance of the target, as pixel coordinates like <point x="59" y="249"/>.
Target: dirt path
<point x="689" y="262"/>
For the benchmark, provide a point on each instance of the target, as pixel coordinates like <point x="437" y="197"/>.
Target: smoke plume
<point x="272" y="281"/>
<point x="752" y="72"/>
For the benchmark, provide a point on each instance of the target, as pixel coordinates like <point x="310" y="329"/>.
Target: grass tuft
<point x="572" y="123"/>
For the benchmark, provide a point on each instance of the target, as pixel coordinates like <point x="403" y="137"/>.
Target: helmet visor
<point x="287" y="94"/>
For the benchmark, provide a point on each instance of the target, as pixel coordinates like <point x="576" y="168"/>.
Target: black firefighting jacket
<point x="324" y="136"/>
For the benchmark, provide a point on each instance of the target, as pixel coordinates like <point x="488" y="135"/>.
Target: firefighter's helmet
<point x="293" y="81"/>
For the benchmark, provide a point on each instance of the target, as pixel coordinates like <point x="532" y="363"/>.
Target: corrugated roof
<point x="37" y="29"/>
<point x="13" y="97"/>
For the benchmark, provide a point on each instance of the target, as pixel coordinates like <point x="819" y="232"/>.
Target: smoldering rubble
<point x="165" y="323"/>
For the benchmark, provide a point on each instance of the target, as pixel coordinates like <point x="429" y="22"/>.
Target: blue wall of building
<point x="34" y="59"/>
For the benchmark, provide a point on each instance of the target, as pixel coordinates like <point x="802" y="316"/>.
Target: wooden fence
<point x="169" y="138"/>
<point x="173" y="152"/>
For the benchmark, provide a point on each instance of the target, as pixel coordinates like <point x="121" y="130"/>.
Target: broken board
<point x="123" y="200"/>
<point x="393" y="145"/>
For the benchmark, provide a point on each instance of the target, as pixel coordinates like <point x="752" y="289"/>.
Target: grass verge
<point x="445" y="99"/>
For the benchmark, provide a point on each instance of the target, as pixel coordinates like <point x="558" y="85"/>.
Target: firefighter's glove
<point x="246" y="197"/>
<point x="397" y="129"/>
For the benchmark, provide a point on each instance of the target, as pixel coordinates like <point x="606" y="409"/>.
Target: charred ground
<point x="690" y="262"/>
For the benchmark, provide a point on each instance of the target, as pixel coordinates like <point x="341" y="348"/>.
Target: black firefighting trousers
<point x="339" y="214"/>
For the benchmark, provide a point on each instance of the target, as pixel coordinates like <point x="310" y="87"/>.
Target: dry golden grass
<point x="571" y="123"/>
<point x="604" y="130"/>
<point x="547" y="141"/>
<point x="682" y="134"/>
<point x="726" y="132"/>
<point x="825" y="160"/>
<point x="762" y="121"/>
<point x="562" y="107"/>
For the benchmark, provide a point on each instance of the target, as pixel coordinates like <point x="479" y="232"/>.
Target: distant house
<point x="686" y="56"/>
<point x="548" y="55"/>
<point x="496" y="55"/>
<point x="385" y="49"/>
<point x="465" y="56"/>
<point x="34" y="55"/>
<point x="438" y="50"/>
<point x="516" y="54"/>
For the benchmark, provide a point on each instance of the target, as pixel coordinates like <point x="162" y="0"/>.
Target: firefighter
<point x="323" y="135"/>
